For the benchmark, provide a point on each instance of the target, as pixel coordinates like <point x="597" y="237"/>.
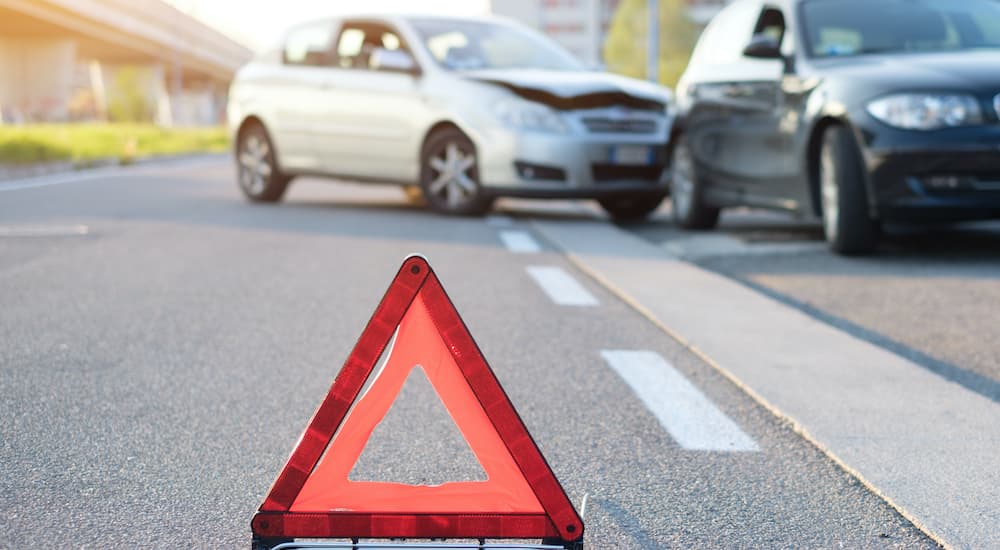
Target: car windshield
<point x="858" y="27"/>
<point x="463" y="45"/>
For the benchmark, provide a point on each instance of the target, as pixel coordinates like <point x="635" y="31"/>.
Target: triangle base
<point x="391" y="526"/>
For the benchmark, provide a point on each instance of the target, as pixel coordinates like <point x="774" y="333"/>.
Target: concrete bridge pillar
<point x="38" y="77"/>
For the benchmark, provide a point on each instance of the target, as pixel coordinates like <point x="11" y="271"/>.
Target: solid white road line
<point x="59" y="179"/>
<point x="94" y="174"/>
<point x="519" y="242"/>
<point x="561" y="287"/>
<point x="43" y="230"/>
<point x="693" y="421"/>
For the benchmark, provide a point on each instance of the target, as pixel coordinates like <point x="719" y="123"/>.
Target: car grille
<point x="620" y="126"/>
<point x="616" y="172"/>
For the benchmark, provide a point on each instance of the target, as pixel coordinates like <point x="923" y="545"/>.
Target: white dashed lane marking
<point x="562" y="288"/>
<point x="685" y="413"/>
<point x="519" y="242"/>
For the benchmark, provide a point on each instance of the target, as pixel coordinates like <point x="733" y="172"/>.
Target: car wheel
<point x="687" y="191"/>
<point x="847" y="224"/>
<point x="449" y="175"/>
<point x="258" y="173"/>
<point x="631" y="208"/>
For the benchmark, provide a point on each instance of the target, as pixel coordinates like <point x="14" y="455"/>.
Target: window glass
<point x="469" y="45"/>
<point x="390" y="41"/>
<point x="858" y="27"/>
<point x="771" y="24"/>
<point x="309" y="45"/>
<point x="350" y="43"/>
<point x="358" y="41"/>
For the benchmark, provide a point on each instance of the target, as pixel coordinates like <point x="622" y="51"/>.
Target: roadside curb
<point x="922" y="443"/>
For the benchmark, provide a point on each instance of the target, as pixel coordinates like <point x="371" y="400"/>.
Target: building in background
<point x="122" y="59"/>
<point x="581" y="26"/>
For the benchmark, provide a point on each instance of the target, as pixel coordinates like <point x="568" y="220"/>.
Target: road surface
<point x="165" y="344"/>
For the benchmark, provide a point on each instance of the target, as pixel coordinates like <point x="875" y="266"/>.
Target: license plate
<point x="631" y="154"/>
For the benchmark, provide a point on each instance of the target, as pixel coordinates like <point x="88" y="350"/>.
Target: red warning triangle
<point x="313" y="496"/>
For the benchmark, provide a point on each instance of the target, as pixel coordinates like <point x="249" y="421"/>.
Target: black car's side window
<point x="771" y="24"/>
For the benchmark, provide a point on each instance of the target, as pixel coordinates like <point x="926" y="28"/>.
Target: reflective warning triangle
<point x="416" y="325"/>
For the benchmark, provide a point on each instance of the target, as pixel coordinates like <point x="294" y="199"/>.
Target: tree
<point x="625" y="50"/>
<point x="129" y="100"/>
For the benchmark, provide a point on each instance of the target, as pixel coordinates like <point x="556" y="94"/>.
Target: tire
<point x="687" y="191"/>
<point x="631" y="208"/>
<point x="847" y="223"/>
<point x="449" y="175"/>
<point x="257" y="169"/>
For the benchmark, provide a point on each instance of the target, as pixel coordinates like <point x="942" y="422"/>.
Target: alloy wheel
<point x="255" y="164"/>
<point x="453" y="176"/>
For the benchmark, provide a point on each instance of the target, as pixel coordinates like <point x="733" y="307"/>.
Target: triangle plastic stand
<point x="416" y="324"/>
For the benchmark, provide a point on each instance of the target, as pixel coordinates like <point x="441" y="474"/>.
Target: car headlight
<point x="926" y="111"/>
<point x="526" y="115"/>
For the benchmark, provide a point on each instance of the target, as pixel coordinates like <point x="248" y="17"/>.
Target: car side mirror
<point x="393" y="60"/>
<point x="762" y="46"/>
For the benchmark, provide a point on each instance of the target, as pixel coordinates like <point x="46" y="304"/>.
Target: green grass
<point x="83" y="143"/>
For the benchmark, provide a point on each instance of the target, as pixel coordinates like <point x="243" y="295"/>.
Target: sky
<point x="259" y="23"/>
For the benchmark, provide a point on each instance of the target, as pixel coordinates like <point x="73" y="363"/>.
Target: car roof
<point x="402" y="16"/>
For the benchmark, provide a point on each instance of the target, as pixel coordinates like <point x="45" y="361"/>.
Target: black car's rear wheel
<point x="259" y="177"/>
<point x="687" y="191"/>
<point x="449" y="175"/>
<point x="631" y="208"/>
<point x="847" y="222"/>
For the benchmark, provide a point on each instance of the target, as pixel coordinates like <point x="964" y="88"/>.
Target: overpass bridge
<point x="61" y="59"/>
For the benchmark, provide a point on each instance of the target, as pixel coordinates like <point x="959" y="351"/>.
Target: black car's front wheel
<point x="449" y="175"/>
<point x="687" y="191"/>
<point x="847" y="222"/>
<point x="257" y="170"/>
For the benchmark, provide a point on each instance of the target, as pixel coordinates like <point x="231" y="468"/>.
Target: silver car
<point x="463" y="110"/>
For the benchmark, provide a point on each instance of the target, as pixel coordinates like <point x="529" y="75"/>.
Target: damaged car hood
<point x="566" y="90"/>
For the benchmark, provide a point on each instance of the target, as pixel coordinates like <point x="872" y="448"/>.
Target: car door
<point x="732" y="120"/>
<point x="371" y="116"/>
<point x="307" y="54"/>
<point x="778" y="122"/>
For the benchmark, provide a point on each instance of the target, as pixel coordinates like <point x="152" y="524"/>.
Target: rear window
<point x="857" y="27"/>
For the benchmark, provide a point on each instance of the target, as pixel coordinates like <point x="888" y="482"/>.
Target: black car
<point x="857" y="111"/>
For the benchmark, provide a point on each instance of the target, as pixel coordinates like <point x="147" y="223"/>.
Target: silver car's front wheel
<point x="449" y="175"/>
<point x="257" y="171"/>
<point x="686" y="190"/>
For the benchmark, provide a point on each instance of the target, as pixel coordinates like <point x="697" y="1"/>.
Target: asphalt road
<point x="165" y="343"/>
<point x="928" y="294"/>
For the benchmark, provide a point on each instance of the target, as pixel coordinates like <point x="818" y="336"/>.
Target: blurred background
<point x="169" y="62"/>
